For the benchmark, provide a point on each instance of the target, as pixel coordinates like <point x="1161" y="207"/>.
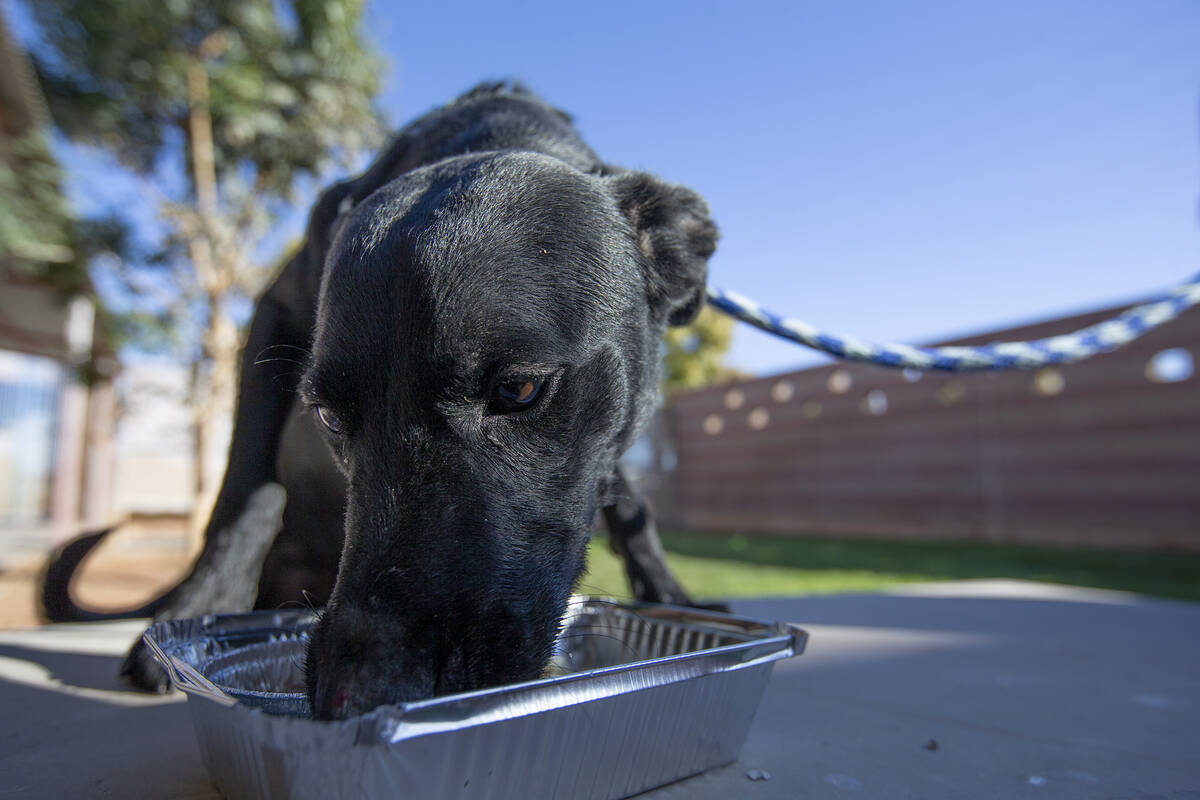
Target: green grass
<point x="714" y="566"/>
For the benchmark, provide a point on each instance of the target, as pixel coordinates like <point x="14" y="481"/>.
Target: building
<point x="56" y="398"/>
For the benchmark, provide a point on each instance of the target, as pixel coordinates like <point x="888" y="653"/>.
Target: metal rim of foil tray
<point x="185" y="647"/>
<point x="243" y="747"/>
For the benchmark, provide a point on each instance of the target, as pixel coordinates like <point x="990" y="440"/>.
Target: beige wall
<point x="36" y="321"/>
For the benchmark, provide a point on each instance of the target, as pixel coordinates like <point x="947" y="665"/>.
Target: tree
<point x="224" y="107"/>
<point x="35" y="226"/>
<point x="695" y="353"/>
<point x="35" y="222"/>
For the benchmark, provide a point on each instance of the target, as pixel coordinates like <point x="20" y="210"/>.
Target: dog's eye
<point x="329" y="419"/>
<point x="516" y="395"/>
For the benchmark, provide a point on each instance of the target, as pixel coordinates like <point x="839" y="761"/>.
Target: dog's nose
<point x="349" y="693"/>
<point x="340" y="697"/>
<point x="363" y="655"/>
<point x="354" y="672"/>
<point x="349" y="696"/>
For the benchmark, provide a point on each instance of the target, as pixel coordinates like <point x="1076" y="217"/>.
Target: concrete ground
<point x="975" y="689"/>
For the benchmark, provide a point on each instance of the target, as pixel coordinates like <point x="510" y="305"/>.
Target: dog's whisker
<point x="261" y="361"/>
<point x="596" y="594"/>
<point x="309" y="600"/>
<point x="627" y="648"/>
<point x="268" y="348"/>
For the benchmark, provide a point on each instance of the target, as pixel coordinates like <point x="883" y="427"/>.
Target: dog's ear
<point x="675" y="234"/>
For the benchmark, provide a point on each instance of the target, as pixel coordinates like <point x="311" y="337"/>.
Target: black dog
<point x="480" y="316"/>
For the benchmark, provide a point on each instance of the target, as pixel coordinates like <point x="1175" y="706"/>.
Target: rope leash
<point x="1102" y="337"/>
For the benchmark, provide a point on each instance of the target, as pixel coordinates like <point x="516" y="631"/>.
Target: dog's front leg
<point x="246" y="516"/>
<point x="634" y="537"/>
<point x="224" y="580"/>
<point x="248" y="510"/>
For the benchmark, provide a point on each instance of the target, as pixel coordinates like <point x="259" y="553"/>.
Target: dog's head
<point x="487" y="346"/>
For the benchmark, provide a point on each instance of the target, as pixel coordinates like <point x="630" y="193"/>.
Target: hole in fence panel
<point x="758" y="419"/>
<point x="713" y="424"/>
<point x="1170" y="366"/>
<point x="812" y="409"/>
<point x="1048" y="382"/>
<point x="783" y="391"/>
<point x="840" y="382"/>
<point x="912" y="375"/>
<point x="951" y="392"/>
<point x="875" y="403"/>
<point x="735" y="399"/>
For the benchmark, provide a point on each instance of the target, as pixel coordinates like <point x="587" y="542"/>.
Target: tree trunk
<point x="204" y="171"/>
<point x="214" y="258"/>
<point x="213" y="402"/>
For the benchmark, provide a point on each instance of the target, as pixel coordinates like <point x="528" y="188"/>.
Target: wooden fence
<point x="1103" y="453"/>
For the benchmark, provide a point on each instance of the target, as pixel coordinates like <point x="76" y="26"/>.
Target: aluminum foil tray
<point x="642" y="695"/>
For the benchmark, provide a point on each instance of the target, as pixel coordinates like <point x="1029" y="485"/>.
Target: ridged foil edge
<point x="662" y="719"/>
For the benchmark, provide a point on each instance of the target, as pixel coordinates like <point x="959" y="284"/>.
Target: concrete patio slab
<point x="974" y="689"/>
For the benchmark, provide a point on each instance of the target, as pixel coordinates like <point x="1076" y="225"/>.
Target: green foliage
<point x="35" y="224"/>
<point x="695" y="353"/>
<point x="223" y="107"/>
<point x="290" y="84"/>
<point x="39" y="235"/>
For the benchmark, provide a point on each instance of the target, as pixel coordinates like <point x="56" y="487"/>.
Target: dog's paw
<point x="224" y="580"/>
<point x="142" y="672"/>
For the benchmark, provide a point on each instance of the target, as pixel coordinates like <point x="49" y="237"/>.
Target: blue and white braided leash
<point x="1100" y="338"/>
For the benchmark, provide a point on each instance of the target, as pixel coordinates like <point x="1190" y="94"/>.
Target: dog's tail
<point x="57" y="603"/>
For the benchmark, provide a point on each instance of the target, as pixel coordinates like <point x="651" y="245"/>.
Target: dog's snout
<point x="361" y="656"/>
<point x="359" y="660"/>
<point x="340" y="698"/>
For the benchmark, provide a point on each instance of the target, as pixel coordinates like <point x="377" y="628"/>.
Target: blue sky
<point x="904" y="171"/>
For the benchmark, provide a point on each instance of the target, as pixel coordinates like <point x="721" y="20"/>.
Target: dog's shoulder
<point x="492" y="116"/>
<point x="488" y="90"/>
